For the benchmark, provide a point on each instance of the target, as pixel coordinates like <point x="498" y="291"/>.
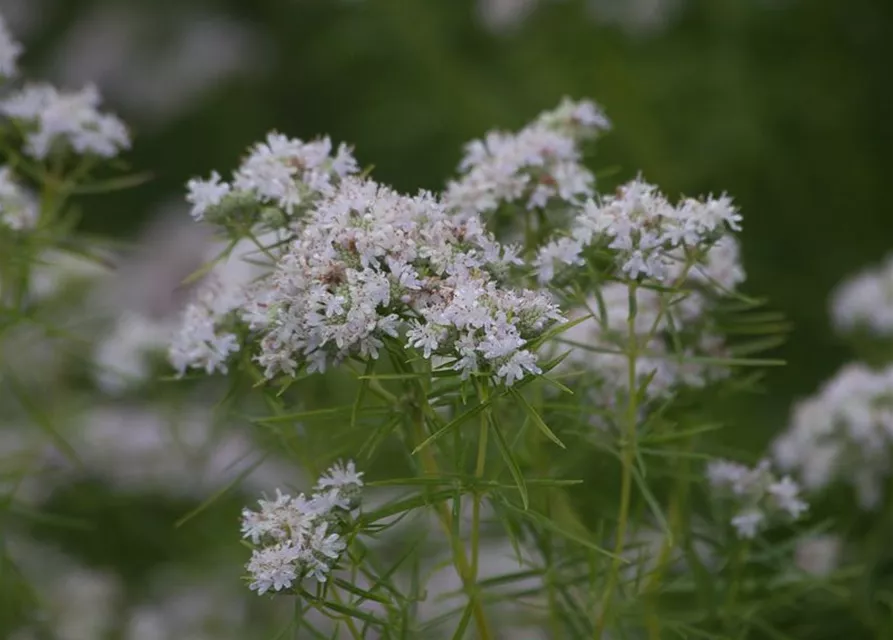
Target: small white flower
<point x="10" y="50"/>
<point x="341" y="476"/>
<point x="328" y="545"/>
<point x="519" y="365"/>
<point x="747" y="523"/>
<point x="786" y="493"/>
<point x="204" y="194"/>
<point x="724" y="474"/>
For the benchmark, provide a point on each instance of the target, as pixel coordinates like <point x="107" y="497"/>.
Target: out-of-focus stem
<point x="627" y="460"/>
<point x="460" y="561"/>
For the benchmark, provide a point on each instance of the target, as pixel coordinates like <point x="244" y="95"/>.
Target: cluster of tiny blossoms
<point x="538" y="164"/>
<point x="668" y="340"/>
<point x="865" y="301"/>
<point x="648" y="234"/>
<point x="300" y="537"/>
<point x="18" y="207"/>
<point x="371" y="263"/>
<point x="673" y="330"/>
<point x="50" y="117"/>
<point x="844" y="432"/>
<point x="279" y="178"/>
<point x="203" y="341"/>
<point x="757" y="492"/>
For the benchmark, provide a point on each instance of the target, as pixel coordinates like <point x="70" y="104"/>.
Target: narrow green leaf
<point x="113" y="184"/>
<point x="514" y="469"/>
<point x="406" y="504"/>
<point x="535" y="417"/>
<point x="361" y="593"/>
<point x="41" y="419"/>
<point x="464" y="620"/>
<point x="361" y="393"/>
<point x="549" y="525"/>
<point x="302" y="415"/>
<point x="217" y="494"/>
<point x="452" y="424"/>
<point x="652" y="502"/>
<point x="556" y="331"/>
<point x="355" y="612"/>
<point x="378" y="436"/>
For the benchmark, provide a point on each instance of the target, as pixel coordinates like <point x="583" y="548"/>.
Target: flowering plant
<point x="507" y="391"/>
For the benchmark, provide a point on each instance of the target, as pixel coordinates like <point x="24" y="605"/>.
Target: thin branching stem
<point x="627" y="460"/>
<point x="479" y="474"/>
<point x="460" y="561"/>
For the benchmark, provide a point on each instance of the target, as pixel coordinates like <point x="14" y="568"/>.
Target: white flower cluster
<point x="865" y="301"/>
<point x="204" y="338"/>
<point x="10" y="50"/>
<point x="534" y="166"/>
<point x="300" y="537"/>
<point x="760" y="495"/>
<point x="648" y="234"/>
<point x="598" y="344"/>
<point x="78" y="602"/>
<point x="202" y="342"/>
<point x="137" y="449"/>
<point x="819" y="555"/>
<point x="672" y="330"/>
<point x="281" y="172"/>
<point x="370" y="263"/>
<point x="121" y="359"/>
<point x="73" y="118"/>
<point x="844" y="432"/>
<point x="18" y="208"/>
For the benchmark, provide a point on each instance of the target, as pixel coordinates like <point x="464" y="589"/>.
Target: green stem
<point x="479" y="474"/>
<point x="739" y="557"/>
<point x="627" y="460"/>
<point x="351" y="625"/>
<point x="460" y="561"/>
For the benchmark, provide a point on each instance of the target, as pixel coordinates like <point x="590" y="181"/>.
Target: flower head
<point x="299" y="537"/>
<point x="760" y="495"/>
<point x="539" y="164"/>
<point x="71" y="118"/>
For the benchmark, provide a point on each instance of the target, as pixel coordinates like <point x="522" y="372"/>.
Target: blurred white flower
<point x="761" y="497"/>
<point x="156" y="65"/>
<point x="843" y="433"/>
<point x="121" y="359"/>
<point x="10" y="50"/>
<point x="74" y="118"/>
<point x="865" y="301"/>
<point x="819" y="555"/>
<point x="18" y="207"/>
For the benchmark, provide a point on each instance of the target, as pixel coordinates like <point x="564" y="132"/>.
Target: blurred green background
<point x="785" y="104"/>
